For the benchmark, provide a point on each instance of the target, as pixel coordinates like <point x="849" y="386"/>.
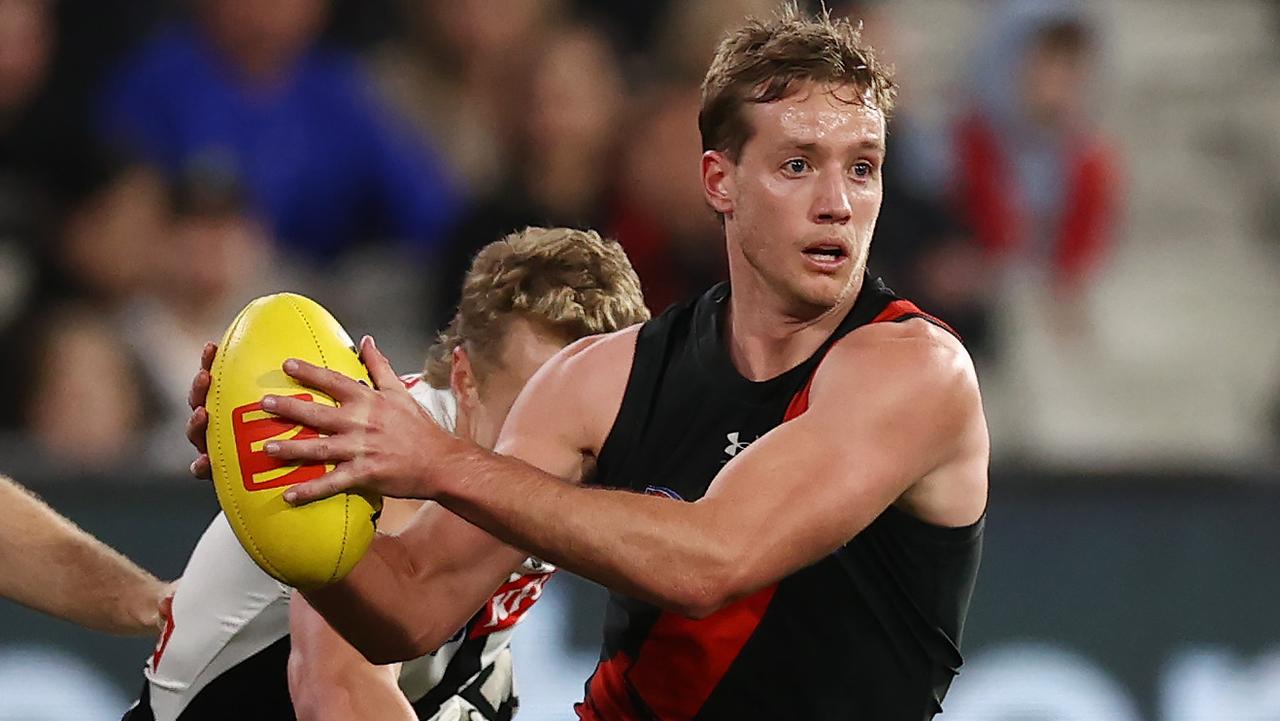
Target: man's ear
<point x="718" y="182"/>
<point x="462" y="379"/>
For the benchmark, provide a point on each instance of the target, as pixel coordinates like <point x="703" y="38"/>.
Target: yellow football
<point x="307" y="546"/>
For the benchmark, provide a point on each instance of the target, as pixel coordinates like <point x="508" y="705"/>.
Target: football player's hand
<point x="379" y="439"/>
<point x="198" y="423"/>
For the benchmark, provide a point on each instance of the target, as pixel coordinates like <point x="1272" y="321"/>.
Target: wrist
<point x="456" y="454"/>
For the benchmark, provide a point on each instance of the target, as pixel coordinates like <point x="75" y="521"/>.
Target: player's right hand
<point x="198" y="423"/>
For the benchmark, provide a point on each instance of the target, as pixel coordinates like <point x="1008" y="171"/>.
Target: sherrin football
<point x="305" y="546"/>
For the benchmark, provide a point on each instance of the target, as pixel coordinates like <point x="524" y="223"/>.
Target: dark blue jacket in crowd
<point x="323" y="162"/>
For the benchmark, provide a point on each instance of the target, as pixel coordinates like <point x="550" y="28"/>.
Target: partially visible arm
<point x="890" y="410"/>
<point x="330" y="681"/>
<point x="49" y="564"/>
<point x="414" y="589"/>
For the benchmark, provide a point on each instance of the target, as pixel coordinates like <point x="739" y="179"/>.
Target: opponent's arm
<point x="329" y="680"/>
<point x="49" y="564"/>
<point x="414" y="589"/>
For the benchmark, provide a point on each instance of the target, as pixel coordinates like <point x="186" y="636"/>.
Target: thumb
<point x="380" y="370"/>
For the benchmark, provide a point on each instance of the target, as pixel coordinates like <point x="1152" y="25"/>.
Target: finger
<point x="332" y="483"/>
<point x="308" y="413"/>
<point x="330" y="382"/>
<point x="380" y="370"/>
<point x="199" y="389"/>
<point x="328" y="449"/>
<point x="207" y="354"/>
<point x="201" y="467"/>
<point x="197" y="424"/>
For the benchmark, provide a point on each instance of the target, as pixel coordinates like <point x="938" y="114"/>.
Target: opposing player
<point x="791" y="471"/>
<point x="236" y="630"/>
<point x="49" y="564"/>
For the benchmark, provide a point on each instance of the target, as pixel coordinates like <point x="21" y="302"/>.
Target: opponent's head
<point x="524" y="298"/>
<point x="793" y="131"/>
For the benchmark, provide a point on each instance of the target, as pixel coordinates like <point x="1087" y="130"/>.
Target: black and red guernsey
<point x="869" y="633"/>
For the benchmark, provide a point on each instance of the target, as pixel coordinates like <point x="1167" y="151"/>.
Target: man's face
<point x="525" y="347"/>
<point x="800" y="203"/>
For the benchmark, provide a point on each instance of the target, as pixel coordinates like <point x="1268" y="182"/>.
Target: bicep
<point x="808" y="486"/>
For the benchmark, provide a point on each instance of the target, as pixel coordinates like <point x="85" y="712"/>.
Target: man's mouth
<point x="826" y="254"/>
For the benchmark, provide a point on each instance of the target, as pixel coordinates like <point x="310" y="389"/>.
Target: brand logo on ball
<point x="253" y="427"/>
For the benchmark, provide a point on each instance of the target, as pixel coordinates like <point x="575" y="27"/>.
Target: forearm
<point x="49" y="564"/>
<point x="672" y="554"/>
<point x="377" y="609"/>
<point x="330" y="681"/>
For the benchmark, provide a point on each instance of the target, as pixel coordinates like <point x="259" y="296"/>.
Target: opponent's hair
<point x="767" y="60"/>
<point x="571" y="282"/>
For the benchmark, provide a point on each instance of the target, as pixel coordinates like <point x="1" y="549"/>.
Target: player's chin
<point x="821" y="291"/>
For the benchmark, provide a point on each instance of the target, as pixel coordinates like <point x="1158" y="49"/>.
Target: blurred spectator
<point x="458" y="74"/>
<point x="26" y="47"/>
<point x="82" y="402"/>
<point x="248" y="87"/>
<point x="112" y="221"/>
<point x="660" y="215"/>
<point x="100" y="256"/>
<point x="690" y="31"/>
<point x="214" y="259"/>
<point x="1033" y="179"/>
<point x="564" y="165"/>
<point x="920" y="247"/>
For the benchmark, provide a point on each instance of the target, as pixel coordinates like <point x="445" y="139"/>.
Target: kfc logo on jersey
<point x="508" y="604"/>
<point x="253" y="427"/>
<point x="735" y="445"/>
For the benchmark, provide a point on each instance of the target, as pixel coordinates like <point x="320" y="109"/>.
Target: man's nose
<point x="831" y="206"/>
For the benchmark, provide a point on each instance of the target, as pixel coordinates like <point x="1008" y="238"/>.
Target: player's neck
<point x="765" y="337"/>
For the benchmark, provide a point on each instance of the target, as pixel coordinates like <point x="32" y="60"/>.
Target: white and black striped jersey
<point x="225" y="650"/>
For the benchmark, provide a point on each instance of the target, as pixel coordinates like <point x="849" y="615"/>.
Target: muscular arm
<point x="49" y="564"/>
<point x="894" y="416"/>
<point x="329" y="680"/>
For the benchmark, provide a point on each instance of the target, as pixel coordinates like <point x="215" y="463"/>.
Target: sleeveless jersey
<point x="224" y="652"/>
<point x="871" y="631"/>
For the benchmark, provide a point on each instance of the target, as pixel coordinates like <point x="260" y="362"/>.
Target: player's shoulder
<point x="602" y="347"/>
<point x="915" y="356"/>
<point x="594" y="358"/>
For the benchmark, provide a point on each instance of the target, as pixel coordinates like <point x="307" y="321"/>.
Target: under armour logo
<point x="735" y="445"/>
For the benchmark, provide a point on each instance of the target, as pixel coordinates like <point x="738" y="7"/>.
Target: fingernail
<point x="290" y="497"/>
<point x="290" y="366"/>
<point x="269" y="403"/>
<point x="271" y="448"/>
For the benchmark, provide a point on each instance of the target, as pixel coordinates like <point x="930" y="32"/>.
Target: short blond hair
<point x="570" y="282"/>
<point x="767" y="60"/>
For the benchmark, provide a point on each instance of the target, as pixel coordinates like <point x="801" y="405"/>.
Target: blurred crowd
<point x="161" y="163"/>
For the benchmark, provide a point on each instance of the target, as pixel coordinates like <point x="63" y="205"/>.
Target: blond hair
<point x="767" y="60"/>
<point x="570" y="282"/>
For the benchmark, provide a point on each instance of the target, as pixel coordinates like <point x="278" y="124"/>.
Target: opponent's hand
<point x="198" y="423"/>
<point x="379" y="439"/>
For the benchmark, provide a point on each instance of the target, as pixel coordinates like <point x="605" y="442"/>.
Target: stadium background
<point x="1130" y="364"/>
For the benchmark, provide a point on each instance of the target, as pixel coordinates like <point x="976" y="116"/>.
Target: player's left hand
<point x="379" y="439"/>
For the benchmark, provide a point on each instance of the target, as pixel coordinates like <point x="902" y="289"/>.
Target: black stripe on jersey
<point x="464" y="665"/>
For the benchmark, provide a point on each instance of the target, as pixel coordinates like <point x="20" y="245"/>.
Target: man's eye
<point x="862" y="170"/>
<point x="797" y="166"/>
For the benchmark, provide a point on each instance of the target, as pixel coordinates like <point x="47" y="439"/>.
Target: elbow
<point x="705" y="593"/>
<point x="396" y="648"/>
